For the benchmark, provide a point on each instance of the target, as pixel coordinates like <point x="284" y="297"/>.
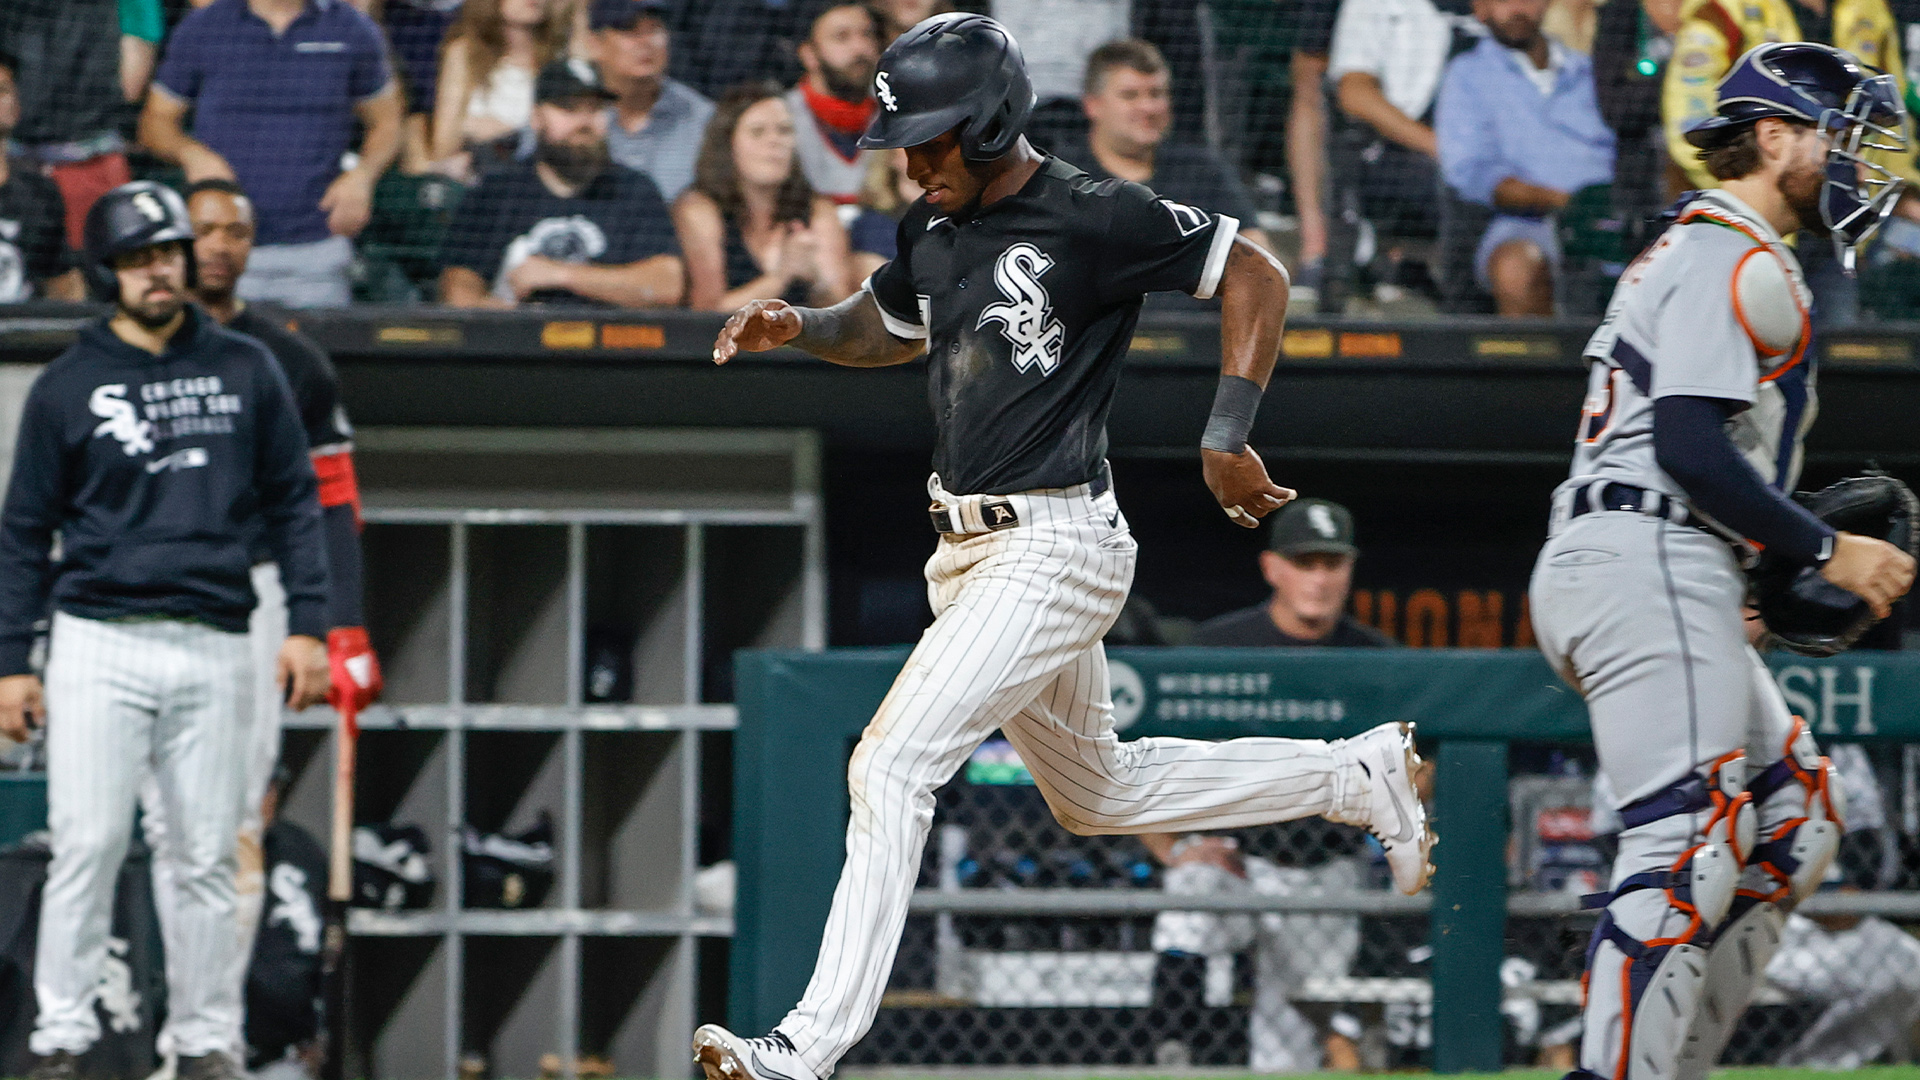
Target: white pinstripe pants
<point x="1015" y="645"/>
<point x="266" y="633"/>
<point x="126" y="700"/>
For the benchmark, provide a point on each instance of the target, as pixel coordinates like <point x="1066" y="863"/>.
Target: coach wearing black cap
<point x="569" y="226"/>
<point x="1309" y="562"/>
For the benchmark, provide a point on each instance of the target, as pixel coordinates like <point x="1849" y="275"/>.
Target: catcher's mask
<point x="1856" y="108"/>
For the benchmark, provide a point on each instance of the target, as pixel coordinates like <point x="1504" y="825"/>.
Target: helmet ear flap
<point x="989" y="136"/>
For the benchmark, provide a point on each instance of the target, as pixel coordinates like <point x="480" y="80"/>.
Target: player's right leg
<point x="101" y="701"/>
<point x="1644" y="617"/>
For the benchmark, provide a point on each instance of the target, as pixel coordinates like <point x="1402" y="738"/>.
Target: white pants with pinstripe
<point x="125" y="701"/>
<point x="1015" y="646"/>
<point x="267" y="632"/>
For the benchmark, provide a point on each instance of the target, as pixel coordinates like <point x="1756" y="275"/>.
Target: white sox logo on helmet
<point x="1027" y="318"/>
<point x="149" y="206"/>
<point x="885" y="93"/>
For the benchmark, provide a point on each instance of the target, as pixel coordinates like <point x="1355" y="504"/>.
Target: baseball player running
<point x="1021" y="279"/>
<point x="1700" y="391"/>
<point x="222" y="218"/>
<point x="158" y="448"/>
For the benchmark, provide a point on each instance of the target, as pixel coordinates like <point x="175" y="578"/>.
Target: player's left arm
<point x="353" y="667"/>
<point x="851" y="333"/>
<point x="1253" y="313"/>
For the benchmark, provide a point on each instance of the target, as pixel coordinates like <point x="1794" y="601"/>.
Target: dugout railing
<point x="800" y="713"/>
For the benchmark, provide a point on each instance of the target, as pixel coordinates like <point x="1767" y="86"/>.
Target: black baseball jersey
<point x="1027" y="306"/>
<point x="310" y="375"/>
<point x="316" y="395"/>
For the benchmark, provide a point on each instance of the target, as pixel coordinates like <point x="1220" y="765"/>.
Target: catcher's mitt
<point x="1805" y="612"/>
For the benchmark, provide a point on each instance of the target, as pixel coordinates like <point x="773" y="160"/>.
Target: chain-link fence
<point x="1394" y="153"/>
<point x="1031" y="946"/>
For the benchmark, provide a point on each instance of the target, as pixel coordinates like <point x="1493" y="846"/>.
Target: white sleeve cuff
<point x="1223" y="233"/>
<point x="895" y="325"/>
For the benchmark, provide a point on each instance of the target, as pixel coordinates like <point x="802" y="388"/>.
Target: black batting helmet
<point x="952" y="71"/>
<point x="130" y="217"/>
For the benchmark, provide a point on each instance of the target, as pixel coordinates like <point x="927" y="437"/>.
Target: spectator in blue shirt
<point x="1519" y="129"/>
<point x="276" y="87"/>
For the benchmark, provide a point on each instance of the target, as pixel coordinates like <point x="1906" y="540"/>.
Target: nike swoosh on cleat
<point x="760" y="1069"/>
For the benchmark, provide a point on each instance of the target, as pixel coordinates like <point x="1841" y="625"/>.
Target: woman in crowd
<point x="487" y="65"/>
<point x="884" y="198"/>
<point x="751" y="227"/>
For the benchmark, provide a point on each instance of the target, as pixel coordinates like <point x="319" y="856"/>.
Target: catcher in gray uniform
<point x="1701" y="389"/>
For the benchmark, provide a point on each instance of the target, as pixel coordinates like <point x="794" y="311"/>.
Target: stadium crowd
<point x="1402" y="156"/>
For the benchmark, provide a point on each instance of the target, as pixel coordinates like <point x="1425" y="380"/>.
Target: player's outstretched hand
<point x="22" y="707"/>
<point x="302" y="672"/>
<point x="761" y="325"/>
<point x="1871" y="569"/>
<point x="1240" y="482"/>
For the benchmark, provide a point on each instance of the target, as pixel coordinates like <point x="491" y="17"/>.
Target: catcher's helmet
<point x="1857" y="107"/>
<point x="955" y="70"/>
<point x="130" y="217"/>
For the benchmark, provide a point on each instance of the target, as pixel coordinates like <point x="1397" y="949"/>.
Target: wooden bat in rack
<point x="333" y="961"/>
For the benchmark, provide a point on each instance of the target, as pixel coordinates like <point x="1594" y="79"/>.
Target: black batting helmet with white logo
<point x="952" y="71"/>
<point x="128" y="218"/>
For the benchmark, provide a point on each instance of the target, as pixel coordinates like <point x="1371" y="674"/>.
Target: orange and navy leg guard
<point x="1799" y="805"/>
<point x="1681" y="855"/>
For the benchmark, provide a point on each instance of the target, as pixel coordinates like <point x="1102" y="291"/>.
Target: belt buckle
<point x="998" y="515"/>
<point x="942" y="516"/>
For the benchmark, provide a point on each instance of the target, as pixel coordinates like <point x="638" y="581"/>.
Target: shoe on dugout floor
<point x="726" y="1056"/>
<point x="59" y="1065"/>
<point x="1392" y="805"/>
<point x="213" y="1066"/>
<point x="169" y="1068"/>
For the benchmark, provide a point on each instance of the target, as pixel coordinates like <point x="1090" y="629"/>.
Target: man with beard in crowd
<point x="833" y="101"/>
<point x="568" y="226"/>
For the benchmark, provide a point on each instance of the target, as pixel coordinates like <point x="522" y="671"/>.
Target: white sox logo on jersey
<point x="884" y="92"/>
<point x="122" y="422"/>
<point x="1027" y="317"/>
<point x="293" y="905"/>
